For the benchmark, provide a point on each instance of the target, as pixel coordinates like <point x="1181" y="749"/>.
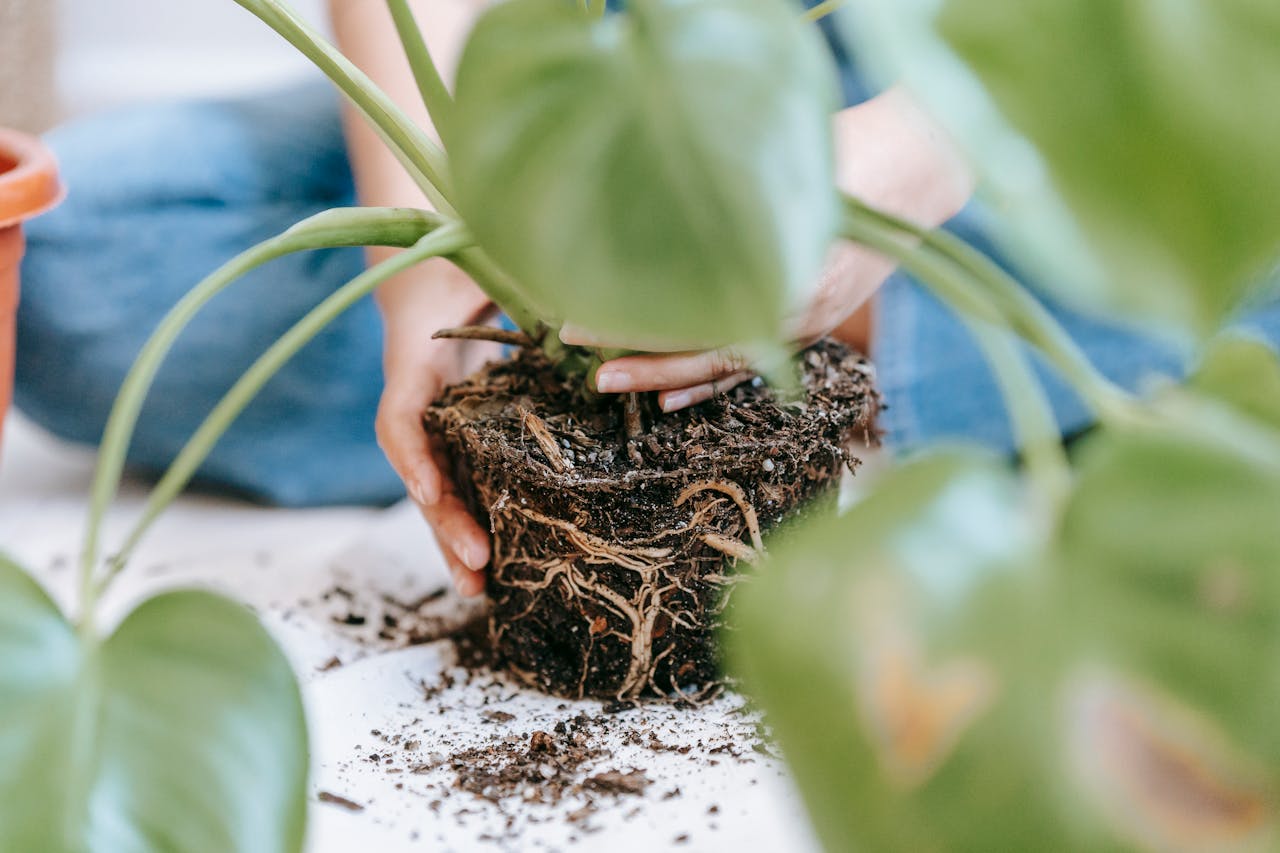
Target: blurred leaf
<point x="1171" y="547"/>
<point x="661" y="174"/>
<point x="182" y="731"/>
<point x="899" y="44"/>
<point x="1158" y="120"/>
<point x="1155" y="121"/>
<point x="1244" y="373"/>
<point x="901" y="652"/>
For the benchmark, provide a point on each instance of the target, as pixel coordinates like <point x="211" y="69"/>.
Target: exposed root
<point x="546" y="441"/>
<point x="614" y="582"/>
<point x="487" y="333"/>
<point x="734" y="491"/>
<point x="732" y="548"/>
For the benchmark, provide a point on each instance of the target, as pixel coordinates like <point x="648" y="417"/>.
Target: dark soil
<point x="614" y="550"/>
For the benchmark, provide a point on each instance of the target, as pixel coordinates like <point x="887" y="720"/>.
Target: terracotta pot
<point x="28" y="186"/>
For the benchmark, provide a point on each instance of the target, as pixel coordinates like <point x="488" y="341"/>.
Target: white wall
<point x="116" y="51"/>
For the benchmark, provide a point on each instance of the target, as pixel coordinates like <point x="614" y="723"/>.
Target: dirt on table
<point x="618" y="531"/>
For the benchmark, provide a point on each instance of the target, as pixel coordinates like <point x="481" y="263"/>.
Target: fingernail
<point x="612" y="381"/>
<point x="472" y="557"/>
<point x="676" y="400"/>
<point x="471" y="585"/>
<point x="415" y="491"/>
<point x="427" y="485"/>
<point x="461" y="579"/>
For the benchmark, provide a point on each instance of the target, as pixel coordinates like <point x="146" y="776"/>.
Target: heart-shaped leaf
<point x="939" y="682"/>
<point x="901" y="652"/>
<point x="662" y="174"/>
<point x="1155" y="121"/>
<point x="183" y="730"/>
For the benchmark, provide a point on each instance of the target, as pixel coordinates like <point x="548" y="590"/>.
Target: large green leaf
<point x="182" y="731"/>
<point x="663" y="174"/>
<point x="1171" y="548"/>
<point x="1168" y="575"/>
<point x="901" y="652"/>
<point x="940" y="681"/>
<point x="1156" y="120"/>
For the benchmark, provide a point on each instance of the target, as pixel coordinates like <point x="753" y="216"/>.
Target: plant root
<point x="612" y="568"/>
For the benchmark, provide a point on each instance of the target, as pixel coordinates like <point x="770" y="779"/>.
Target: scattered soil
<point x="570" y="765"/>
<point x="618" y="534"/>
<point x="340" y="801"/>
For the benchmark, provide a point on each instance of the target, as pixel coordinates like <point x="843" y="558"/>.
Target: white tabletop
<point x="708" y="782"/>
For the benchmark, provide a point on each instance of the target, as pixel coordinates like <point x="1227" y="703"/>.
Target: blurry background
<point x="66" y="57"/>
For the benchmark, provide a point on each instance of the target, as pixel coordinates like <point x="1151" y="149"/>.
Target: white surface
<point x="113" y="52"/>
<point x="283" y="562"/>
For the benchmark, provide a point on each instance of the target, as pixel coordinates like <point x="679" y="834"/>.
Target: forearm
<point x="891" y="155"/>
<point x="366" y="34"/>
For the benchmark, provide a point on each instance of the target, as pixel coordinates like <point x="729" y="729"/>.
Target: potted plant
<point x="28" y="187"/>
<point x="977" y="656"/>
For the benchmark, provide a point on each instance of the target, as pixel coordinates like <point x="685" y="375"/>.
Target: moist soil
<point x="619" y="536"/>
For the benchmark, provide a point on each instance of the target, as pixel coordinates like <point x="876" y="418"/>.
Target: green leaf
<point x="1158" y="121"/>
<point x="1168" y="557"/>
<point x="898" y="44"/>
<point x="940" y="679"/>
<point x="1245" y="373"/>
<point x="663" y="174"/>
<point x="900" y="652"/>
<point x="1155" y="121"/>
<point x="1171" y="549"/>
<point x="183" y="730"/>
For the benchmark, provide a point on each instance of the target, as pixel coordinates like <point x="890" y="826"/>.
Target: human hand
<point x="849" y="278"/>
<point x="417" y="369"/>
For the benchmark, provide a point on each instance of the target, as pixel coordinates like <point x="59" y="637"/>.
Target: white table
<point x="283" y="562"/>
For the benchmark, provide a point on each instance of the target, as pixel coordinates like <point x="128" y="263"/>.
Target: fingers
<point x="672" y="401"/>
<point x="419" y="460"/>
<point x="464" y="543"/>
<point x="404" y="441"/>
<point x="676" y="371"/>
<point x="465" y="581"/>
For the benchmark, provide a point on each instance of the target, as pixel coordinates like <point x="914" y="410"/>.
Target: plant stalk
<point x="441" y="241"/>
<point x="416" y="151"/>
<point x="821" y="10"/>
<point x="331" y="229"/>
<point x="1018" y="309"/>
<point x="1029" y="411"/>
<point x="435" y="95"/>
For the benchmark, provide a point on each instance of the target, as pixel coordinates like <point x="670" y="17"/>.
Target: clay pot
<point x="28" y="186"/>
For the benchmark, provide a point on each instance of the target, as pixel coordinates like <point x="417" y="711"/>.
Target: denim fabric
<point x="159" y="197"/>
<point x="938" y="387"/>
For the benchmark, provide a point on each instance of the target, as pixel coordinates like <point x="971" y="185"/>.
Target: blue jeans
<point x="161" y="195"/>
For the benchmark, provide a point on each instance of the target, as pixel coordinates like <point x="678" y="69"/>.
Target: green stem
<point x="502" y="289"/>
<point x="420" y="155"/>
<point x="331" y="229"/>
<point x="1018" y="309"/>
<point x="596" y="8"/>
<point x="1029" y="410"/>
<point x="820" y="11"/>
<point x="435" y="95"/>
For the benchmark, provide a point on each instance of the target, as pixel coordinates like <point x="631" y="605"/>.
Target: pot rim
<point x="31" y="186"/>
